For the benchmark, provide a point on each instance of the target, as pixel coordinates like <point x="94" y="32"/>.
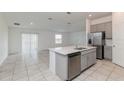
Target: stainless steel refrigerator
<point x="97" y="39"/>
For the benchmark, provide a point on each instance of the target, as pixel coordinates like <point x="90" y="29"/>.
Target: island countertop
<point x="70" y="49"/>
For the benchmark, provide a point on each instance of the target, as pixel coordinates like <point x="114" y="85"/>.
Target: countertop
<point x="70" y="49"/>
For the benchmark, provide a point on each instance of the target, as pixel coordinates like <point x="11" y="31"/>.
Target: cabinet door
<point x="108" y="29"/>
<point x="83" y="62"/>
<point x="100" y="27"/>
<point x="108" y="52"/>
<point x="91" y="58"/>
<point x="93" y="28"/>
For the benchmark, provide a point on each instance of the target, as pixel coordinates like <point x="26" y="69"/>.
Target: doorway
<point x="29" y="43"/>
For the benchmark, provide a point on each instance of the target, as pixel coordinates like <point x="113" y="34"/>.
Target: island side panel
<point x="62" y="66"/>
<point x="52" y="62"/>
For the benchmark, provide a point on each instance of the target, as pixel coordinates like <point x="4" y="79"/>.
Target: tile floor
<point x="35" y="68"/>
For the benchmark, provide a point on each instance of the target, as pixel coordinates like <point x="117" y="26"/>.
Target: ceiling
<point x="53" y="21"/>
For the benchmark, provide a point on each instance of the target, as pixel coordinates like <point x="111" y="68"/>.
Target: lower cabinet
<point x="83" y="61"/>
<point x="91" y="58"/>
<point x="88" y="58"/>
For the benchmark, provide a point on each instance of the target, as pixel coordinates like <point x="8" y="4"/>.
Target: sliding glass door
<point x="29" y="43"/>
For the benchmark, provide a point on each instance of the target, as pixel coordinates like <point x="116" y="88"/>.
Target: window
<point x="58" y="38"/>
<point x="29" y="43"/>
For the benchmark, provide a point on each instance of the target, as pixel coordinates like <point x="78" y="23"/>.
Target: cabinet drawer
<point x="88" y="51"/>
<point x="84" y="52"/>
<point x="92" y="50"/>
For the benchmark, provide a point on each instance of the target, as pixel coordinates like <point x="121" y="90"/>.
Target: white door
<point x="29" y="43"/>
<point x="118" y="38"/>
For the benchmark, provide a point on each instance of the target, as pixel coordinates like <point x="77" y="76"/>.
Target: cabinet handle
<point x="114" y="45"/>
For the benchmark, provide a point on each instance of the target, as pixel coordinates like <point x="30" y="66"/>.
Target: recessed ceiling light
<point x="31" y="23"/>
<point x="50" y="18"/>
<point x="16" y="24"/>
<point x="68" y="13"/>
<point x="89" y="15"/>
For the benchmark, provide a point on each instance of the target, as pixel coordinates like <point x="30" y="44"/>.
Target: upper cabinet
<point x="107" y="27"/>
<point x="100" y="27"/>
<point x="93" y="28"/>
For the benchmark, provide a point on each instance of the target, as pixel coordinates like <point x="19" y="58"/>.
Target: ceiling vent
<point x="50" y="18"/>
<point x="16" y="24"/>
<point x="68" y="13"/>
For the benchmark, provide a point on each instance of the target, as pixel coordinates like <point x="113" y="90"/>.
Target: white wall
<point x="14" y="41"/>
<point x="118" y="37"/>
<point x="3" y="38"/>
<point x="77" y="38"/>
<point x="46" y="39"/>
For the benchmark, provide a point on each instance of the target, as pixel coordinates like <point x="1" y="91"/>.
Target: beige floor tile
<point x="97" y="65"/>
<point x="119" y="70"/>
<point x="6" y="76"/>
<point x="93" y="68"/>
<point x="108" y="63"/>
<point x="21" y="79"/>
<point x="107" y="67"/>
<point x="20" y="76"/>
<point x="88" y="72"/>
<point x="37" y="77"/>
<point x="43" y="67"/>
<point x="90" y="79"/>
<point x="52" y="78"/>
<point x="19" y="70"/>
<point x="33" y="72"/>
<point x="99" y="76"/>
<point x="32" y="67"/>
<point x="103" y="71"/>
<point x="116" y="76"/>
<point x="81" y="77"/>
<point x="36" y="68"/>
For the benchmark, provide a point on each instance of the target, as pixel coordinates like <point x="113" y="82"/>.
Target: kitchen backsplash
<point x="108" y="42"/>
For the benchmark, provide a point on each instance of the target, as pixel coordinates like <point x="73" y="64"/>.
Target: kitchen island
<point x="68" y="62"/>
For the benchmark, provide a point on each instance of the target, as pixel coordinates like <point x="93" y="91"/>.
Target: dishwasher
<point x="74" y="65"/>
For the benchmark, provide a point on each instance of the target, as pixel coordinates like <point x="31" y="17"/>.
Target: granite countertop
<point x="70" y="49"/>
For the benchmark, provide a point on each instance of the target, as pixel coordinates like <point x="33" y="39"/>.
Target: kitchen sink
<point x="79" y="48"/>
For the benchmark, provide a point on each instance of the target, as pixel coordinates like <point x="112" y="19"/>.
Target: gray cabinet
<point x="83" y="61"/>
<point x="88" y="58"/>
<point x="108" y="29"/>
<point x="108" y="52"/>
<point x="100" y="27"/>
<point x="93" y="28"/>
<point x="91" y="58"/>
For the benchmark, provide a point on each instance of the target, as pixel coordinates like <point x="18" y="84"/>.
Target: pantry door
<point x="118" y="38"/>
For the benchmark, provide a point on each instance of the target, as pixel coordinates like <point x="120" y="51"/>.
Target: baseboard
<point x="108" y="59"/>
<point x="14" y="53"/>
<point x="39" y="51"/>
